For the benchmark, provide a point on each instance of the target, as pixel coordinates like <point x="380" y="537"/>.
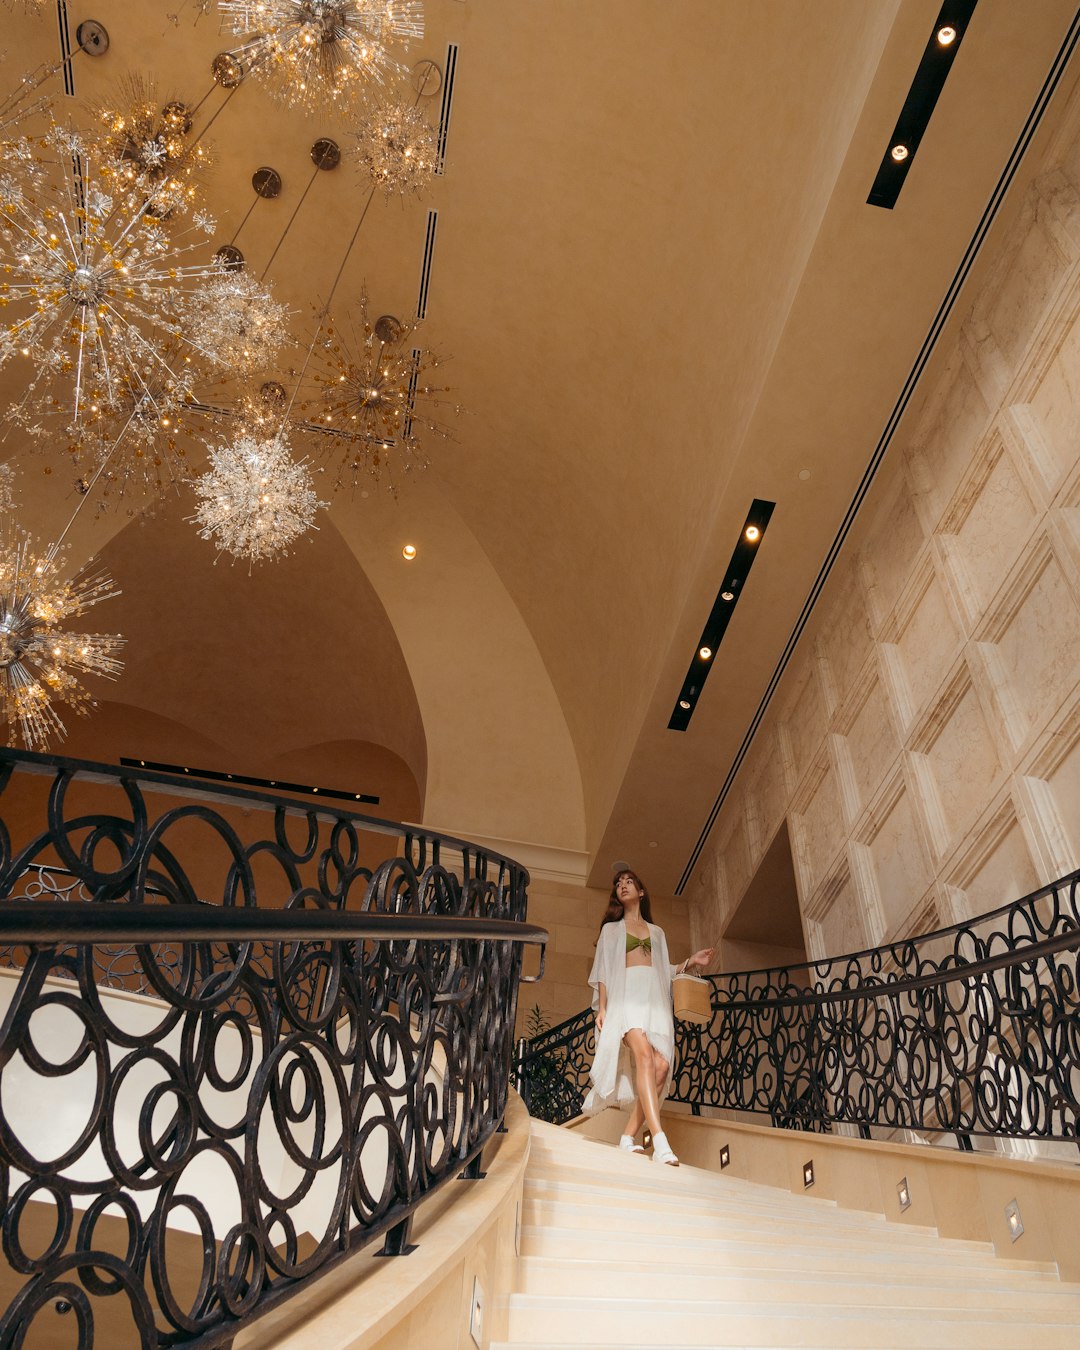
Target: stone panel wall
<point x="924" y="746"/>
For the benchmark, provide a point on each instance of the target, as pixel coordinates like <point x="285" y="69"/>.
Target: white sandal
<point x="662" y="1150"/>
<point x="627" y="1145"/>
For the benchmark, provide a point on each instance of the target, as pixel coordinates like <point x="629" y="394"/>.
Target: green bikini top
<point x="634" y="942"/>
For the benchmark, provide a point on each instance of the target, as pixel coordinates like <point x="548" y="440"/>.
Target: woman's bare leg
<point x="645" y="1074"/>
<point x="660" y="1064"/>
<point x="637" y="1119"/>
<point x="637" y="1115"/>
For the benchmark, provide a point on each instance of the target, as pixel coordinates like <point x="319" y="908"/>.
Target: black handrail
<point x="329" y="1041"/>
<point x="970" y="1030"/>
<point x="44" y="923"/>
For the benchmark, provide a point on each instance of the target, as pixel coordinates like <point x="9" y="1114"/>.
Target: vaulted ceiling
<point x="664" y="295"/>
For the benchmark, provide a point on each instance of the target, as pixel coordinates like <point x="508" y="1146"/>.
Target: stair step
<point x="626" y="1218"/>
<point x="676" y="1250"/>
<point x="582" y="1322"/>
<point x="717" y="1204"/>
<point x="554" y="1277"/>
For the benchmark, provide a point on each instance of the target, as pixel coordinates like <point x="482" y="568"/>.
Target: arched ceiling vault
<point x="664" y="295"/>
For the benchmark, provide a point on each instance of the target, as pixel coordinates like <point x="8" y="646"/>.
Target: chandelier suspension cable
<point x="320" y="166"/>
<point x="54" y="547"/>
<point x="247" y="214"/>
<point x="221" y="108"/>
<point x="324" y="311"/>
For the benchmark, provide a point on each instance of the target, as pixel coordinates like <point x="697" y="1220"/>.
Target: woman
<point x="631" y="981"/>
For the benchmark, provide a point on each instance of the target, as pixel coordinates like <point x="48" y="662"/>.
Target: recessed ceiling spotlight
<point x="684" y="703"/>
<point x="705" y="653"/>
<point x="409" y="552"/>
<point x="753" y="533"/>
<point x="946" y="35"/>
<point x="899" y="153"/>
<point x="804" y="475"/>
<point x="727" y="595"/>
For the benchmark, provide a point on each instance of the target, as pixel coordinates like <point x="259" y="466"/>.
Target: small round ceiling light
<point x="753" y="534"/>
<point x="705" y="653"/>
<point x="409" y="552"/>
<point x="727" y="595"/>
<point x="946" y="35"/>
<point x="899" y="153"/>
<point x="684" y="703"/>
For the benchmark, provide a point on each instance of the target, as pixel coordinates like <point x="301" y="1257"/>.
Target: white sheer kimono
<point x="610" y="1075"/>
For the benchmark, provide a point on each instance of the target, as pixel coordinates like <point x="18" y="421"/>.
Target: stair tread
<point x="931" y="1254"/>
<point x="1011" y="1283"/>
<point x="855" y="1221"/>
<point x="644" y="1307"/>
<point x="597" y="1216"/>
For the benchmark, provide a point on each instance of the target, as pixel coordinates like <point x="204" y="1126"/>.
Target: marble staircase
<point x="618" y="1251"/>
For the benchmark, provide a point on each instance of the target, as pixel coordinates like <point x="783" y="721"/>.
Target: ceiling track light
<point x="738" y="569"/>
<point x="926" y="86"/>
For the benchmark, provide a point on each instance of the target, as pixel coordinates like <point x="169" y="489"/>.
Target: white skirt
<point x="643" y="1007"/>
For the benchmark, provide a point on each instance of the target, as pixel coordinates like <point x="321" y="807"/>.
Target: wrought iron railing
<point x="970" y="1030"/>
<point x="315" y="1032"/>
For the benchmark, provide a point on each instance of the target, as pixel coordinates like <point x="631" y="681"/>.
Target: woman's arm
<point x="601" y="1011"/>
<point x="701" y="958"/>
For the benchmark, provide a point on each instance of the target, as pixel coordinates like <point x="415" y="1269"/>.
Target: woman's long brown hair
<point x="615" y="911"/>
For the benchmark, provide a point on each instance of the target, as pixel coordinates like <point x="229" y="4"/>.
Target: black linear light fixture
<point x="242" y="780"/>
<point x="738" y="569"/>
<point x="937" y="60"/>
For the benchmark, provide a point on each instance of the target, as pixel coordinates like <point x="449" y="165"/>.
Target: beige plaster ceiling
<point x="664" y="295"/>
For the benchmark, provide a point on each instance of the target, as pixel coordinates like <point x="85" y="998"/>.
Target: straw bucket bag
<point x="692" y="997"/>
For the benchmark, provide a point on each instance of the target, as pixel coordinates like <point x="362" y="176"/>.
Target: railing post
<point x="963" y="1143"/>
<point x="519" y="1070"/>
<point x="397" y="1239"/>
<point x="472" y="1171"/>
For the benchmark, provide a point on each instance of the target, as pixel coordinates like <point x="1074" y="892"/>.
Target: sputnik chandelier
<point x="145" y="147"/>
<point x="40" y="661"/>
<point x="94" y="287"/>
<point x="398" y="149"/>
<point x="256" y="500"/>
<point x="316" y="54"/>
<point x="371" y="391"/>
<point x="236" y="324"/>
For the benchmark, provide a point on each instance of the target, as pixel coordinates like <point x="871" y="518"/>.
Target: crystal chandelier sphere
<point x="236" y="324"/>
<point x="92" y="286"/>
<point x="398" y="150"/>
<point x="256" y="500"/>
<point x="322" y="53"/>
<point x="40" y="661"/>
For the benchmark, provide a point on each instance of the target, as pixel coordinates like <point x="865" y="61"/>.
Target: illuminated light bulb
<point x="684" y="703"/>
<point x="727" y="595"/>
<point x="753" y="533"/>
<point x="409" y="552"/>
<point x="705" y="653"/>
<point x="946" y="35"/>
<point x="899" y="153"/>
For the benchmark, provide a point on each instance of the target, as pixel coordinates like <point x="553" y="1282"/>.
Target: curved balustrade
<point x="971" y="1030"/>
<point x="301" y="1041"/>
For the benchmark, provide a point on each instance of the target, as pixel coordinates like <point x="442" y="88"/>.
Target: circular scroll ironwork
<point x="263" y="1107"/>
